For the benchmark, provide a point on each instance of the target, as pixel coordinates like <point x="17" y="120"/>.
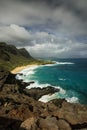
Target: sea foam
<point x="26" y="72"/>
<point x="62" y="79"/>
<point x="72" y="100"/>
<point x="47" y="98"/>
<point x="64" y="63"/>
<point x="56" y="95"/>
<point x="37" y="85"/>
<point x="61" y="94"/>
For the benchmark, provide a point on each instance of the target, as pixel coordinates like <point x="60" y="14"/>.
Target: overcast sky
<point x="46" y="28"/>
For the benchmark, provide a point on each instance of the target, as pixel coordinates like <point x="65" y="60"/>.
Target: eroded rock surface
<point x="21" y="110"/>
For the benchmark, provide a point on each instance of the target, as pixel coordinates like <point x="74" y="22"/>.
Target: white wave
<point x="37" y="85"/>
<point x="28" y="71"/>
<point x="59" y="63"/>
<point x="72" y="100"/>
<point x="63" y="63"/>
<point x="31" y="70"/>
<point x="18" y="77"/>
<point x="47" y="98"/>
<point x="62" y="91"/>
<point x="50" y="64"/>
<point x="62" y="79"/>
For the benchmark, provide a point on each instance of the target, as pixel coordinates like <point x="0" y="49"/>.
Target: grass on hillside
<point x="17" y="61"/>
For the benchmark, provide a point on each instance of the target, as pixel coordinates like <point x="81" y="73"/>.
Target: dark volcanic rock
<point x="58" y="102"/>
<point x="9" y="124"/>
<point x="63" y="125"/>
<point x="20" y="74"/>
<point x="50" y="123"/>
<point x="31" y="82"/>
<point x="37" y="93"/>
<point x="20" y="110"/>
<point x="29" y="124"/>
<point x="3" y="76"/>
<point x="23" y="84"/>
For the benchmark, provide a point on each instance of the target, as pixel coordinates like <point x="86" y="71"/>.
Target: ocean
<point x="69" y="75"/>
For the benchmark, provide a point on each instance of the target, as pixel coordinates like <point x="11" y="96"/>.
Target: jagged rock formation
<point x="21" y="110"/>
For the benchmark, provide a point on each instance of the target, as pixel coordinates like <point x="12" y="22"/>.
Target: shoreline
<point x="22" y="110"/>
<point x="44" y="98"/>
<point x="20" y="68"/>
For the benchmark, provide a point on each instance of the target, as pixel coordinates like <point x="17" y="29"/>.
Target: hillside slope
<point x="11" y="57"/>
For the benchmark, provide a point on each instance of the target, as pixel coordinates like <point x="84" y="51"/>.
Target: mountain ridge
<point x="11" y="57"/>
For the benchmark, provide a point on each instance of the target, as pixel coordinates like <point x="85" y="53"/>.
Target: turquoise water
<point x="70" y="75"/>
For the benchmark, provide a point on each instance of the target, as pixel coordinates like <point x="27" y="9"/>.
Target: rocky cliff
<point x="21" y="110"/>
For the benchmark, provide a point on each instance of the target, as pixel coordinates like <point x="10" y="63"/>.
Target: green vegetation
<point x="11" y="57"/>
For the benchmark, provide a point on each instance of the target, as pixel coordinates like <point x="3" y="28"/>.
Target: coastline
<point x="20" y="68"/>
<point x="20" y="108"/>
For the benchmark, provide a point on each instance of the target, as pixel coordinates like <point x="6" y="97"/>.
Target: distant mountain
<point x="11" y="57"/>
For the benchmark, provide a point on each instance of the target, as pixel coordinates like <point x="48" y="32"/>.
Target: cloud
<point x="46" y="28"/>
<point x="20" y="36"/>
<point x="14" y="34"/>
<point x="42" y="43"/>
<point x="57" y="50"/>
<point x="59" y="14"/>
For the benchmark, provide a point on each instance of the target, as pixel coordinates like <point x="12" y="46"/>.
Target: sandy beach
<point x="18" y="69"/>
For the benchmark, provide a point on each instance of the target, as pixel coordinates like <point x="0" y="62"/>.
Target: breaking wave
<point x="64" y="63"/>
<point x="28" y="72"/>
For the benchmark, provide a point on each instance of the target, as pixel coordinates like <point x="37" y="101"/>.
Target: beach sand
<point x="18" y="69"/>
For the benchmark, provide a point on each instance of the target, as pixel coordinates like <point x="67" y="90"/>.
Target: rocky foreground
<point x="21" y="110"/>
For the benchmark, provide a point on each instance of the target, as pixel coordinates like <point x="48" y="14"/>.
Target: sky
<point x="46" y="28"/>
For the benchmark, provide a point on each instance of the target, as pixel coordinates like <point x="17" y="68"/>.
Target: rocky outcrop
<point x="3" y="76"/>
<point x="21" y="110"/>
<point x="29" y="124"/>
<point x="37" y="93"/>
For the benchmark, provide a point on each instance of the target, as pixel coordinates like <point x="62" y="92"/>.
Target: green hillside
<point x="11" y="57"/>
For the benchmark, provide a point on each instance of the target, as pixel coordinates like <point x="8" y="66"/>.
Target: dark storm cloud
<point x="38" y="11"/>
<point x="56" y="27"/>
<point x="79" y="7"/>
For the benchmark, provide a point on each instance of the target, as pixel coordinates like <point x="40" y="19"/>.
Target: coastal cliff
<point x="11" y="57"/>
<point x="21" y="110"/>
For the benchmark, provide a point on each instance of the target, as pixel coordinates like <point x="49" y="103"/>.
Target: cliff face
<point x="21" y="110"/>
<point x="11" y="57"/>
